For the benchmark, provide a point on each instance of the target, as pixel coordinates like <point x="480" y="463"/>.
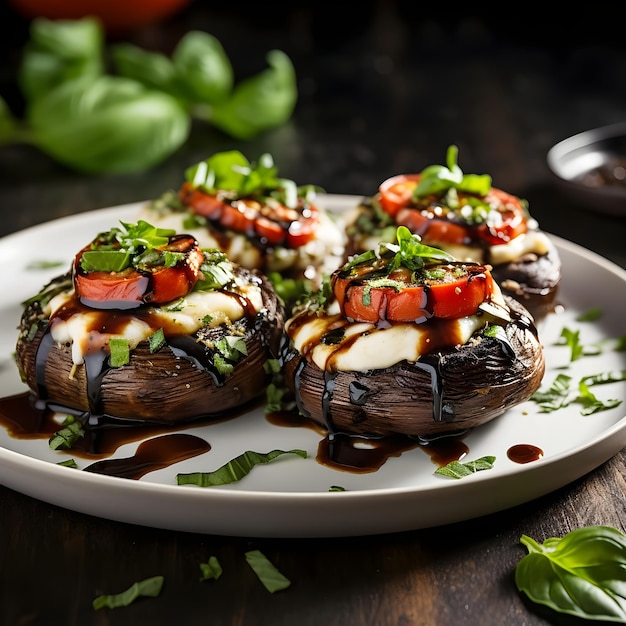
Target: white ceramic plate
<point x="290" y="497"/>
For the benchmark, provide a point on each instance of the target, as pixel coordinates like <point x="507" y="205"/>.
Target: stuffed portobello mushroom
<point x="473" y="221"/>
<point x="407" y="340"/>
<point x="149" y="326"/>
<point x="260" y="220"/>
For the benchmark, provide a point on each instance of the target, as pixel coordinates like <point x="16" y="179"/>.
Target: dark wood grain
<point x="383" y="90"/>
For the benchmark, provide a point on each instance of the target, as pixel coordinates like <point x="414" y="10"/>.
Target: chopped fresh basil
<point x="559" y="394"/>
<point x="120" y="351"/>
<point x="69" y="463"/>
<point x="65" y="438"/>
<point x="211" y="570"/>
<point x="590" y="403"/>
<point x="581" y="574"/>
<point x="156" y="340"/>
<point x="217" y="271"/>
<point x="336" y="488"/>
<point x="267" y="573"/>
<point x="456" y="469"/>
<point x="234" y="470"/>
<point x="150" y="587"/>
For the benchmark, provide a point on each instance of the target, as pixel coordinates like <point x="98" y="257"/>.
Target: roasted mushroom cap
<point x="533" y="280"/>
<point x="176" y="383"/>
<point x="441" y="393"/>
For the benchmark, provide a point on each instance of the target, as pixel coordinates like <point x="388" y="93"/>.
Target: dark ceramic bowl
<point x="590" y="168"/>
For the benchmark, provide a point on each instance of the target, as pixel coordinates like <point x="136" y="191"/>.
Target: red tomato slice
<point x="451" y="299"/>
<point x="433" y="229"/>
<point x="396" y="199"/>
<point x="273" y="224"/>
<point x="131" y="288"/>
<point x="396" y="192"/>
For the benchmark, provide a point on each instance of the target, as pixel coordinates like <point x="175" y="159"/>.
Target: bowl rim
<point x="580" y="140"/>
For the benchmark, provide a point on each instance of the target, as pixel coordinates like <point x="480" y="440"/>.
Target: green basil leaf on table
<point x="59" y="51"/>
<point x="150" y="587"/>
<point x="203" y="69"/>
<point x="260" y="102"/>
<point x="583" y="574"/>
<point x="153" y="69"/>
<point x="109" y="124"/>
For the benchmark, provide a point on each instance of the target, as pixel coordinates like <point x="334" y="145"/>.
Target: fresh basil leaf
<point x="556" y="396"/>
<point x="68" y="463"/>
<point x="260" y="102"/>
<point x="605" y="378"/>
<point x="266" y="572"/>
<point x="234" y="470"/>
<point x="211" y="570"/>
<point x="60" y="51"/>
<point x="156" y="340"/>
<point x="203" y="69"/>
<point x="120" y="351"/>
<point x="105" y="260"/>
<point x="591" y="404"/>
<point x="456" y="469"/>
<point x="65" y="438"/>
<point x="153" y="69"/>
<point x="110" y="124"/>
<point x="150" y="587"/>
<point x="438" y="179"/>
<point x="583" y="574"/>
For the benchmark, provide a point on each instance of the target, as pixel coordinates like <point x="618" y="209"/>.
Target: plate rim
<point x="19" y="464"/>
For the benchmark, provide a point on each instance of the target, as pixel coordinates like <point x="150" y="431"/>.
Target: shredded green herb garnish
<point x="456" y="469"/>
<point x="438" y="179"/>
<point x="560" y="394"/>
<point x="267" y="573"/>
<point x="211" y="570"/>
<point x="234" y="470"/>
<point x="150" y="587"/>
<point x="591" y="315"/>
<point x="65" y="438"/>
<point x="120" y="351"/>
<point x="231" y="171"/>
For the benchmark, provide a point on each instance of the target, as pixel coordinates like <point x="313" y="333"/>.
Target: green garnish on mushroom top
<point x="445" y="205"/>
<point x="409" y="281"/>
<point x="250" y="198"/>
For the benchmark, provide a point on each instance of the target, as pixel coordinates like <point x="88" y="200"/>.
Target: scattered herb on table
<point x="150" y="587"/>
<point x="267" y="573"/>
<point x="234" y="470"/>
<point x="211" y="570"/>
<point x="133" y="119"/>
<point x="583" y="574"/>
<point x="456" y="469"/>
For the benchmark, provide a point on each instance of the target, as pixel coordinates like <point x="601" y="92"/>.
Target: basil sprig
<point x="232" y="173"/>
<point x="409" y="252"/>
<point x="583" y="574"/>
<point x="438" y="179"/>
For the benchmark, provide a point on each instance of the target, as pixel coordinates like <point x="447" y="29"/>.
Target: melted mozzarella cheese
<point x="87" y="331"/>
<point x="365" y="347"/>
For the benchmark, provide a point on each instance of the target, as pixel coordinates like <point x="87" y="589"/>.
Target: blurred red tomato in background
<point x="117" y="16"/>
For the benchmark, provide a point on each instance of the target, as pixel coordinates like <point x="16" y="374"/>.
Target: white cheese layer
<point x="87" y="331"/>
<point x="323" y="254"/>
<point x="365" y="347"/>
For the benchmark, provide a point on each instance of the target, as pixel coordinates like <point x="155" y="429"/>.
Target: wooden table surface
<point x="381" y="92"/>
